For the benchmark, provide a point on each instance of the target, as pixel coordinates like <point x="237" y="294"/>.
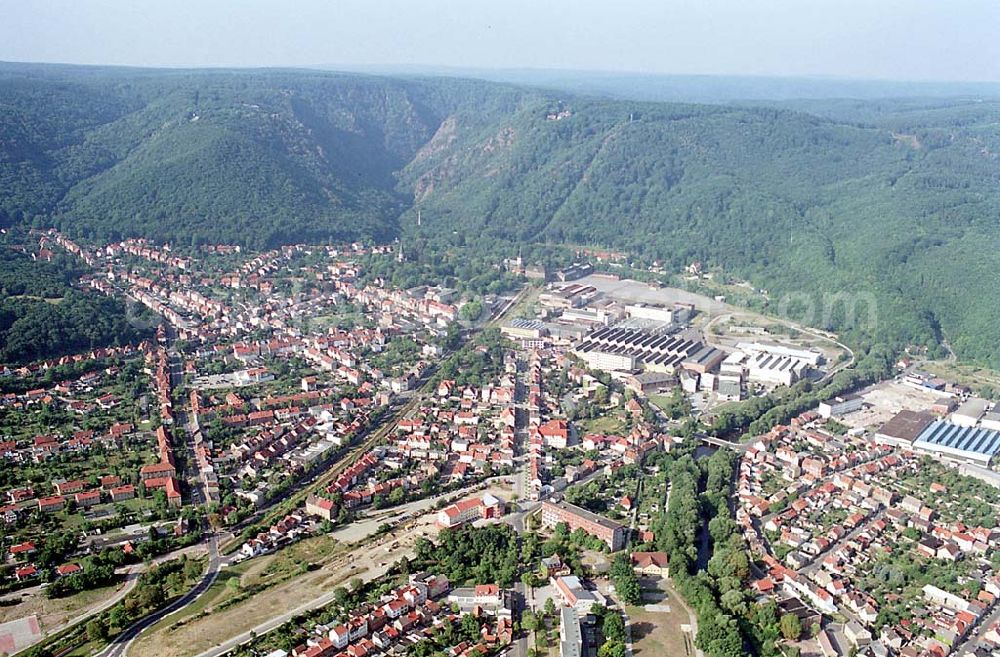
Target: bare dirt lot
<point x="885" y="400"/>
<point x="631" y="291"/>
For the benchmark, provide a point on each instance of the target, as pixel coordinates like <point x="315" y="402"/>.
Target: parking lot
<point x="218" y="381"/>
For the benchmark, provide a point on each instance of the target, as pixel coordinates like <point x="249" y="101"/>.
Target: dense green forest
<point x="893" y="203"/>
<point x="43" y="316"/>
<point x="33" y="330"/>
<point x="800" y="205"/>
<point x="260" y="158"/>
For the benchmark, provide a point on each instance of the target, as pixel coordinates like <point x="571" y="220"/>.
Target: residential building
<point x="575" y="517"/>
<point x="651" y="563"/>
<point x="570" y="636"/>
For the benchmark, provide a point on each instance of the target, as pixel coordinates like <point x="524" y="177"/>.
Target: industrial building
<point x="585" y="316"/>
<point x="973" y="445"/>
<point x="608" y="362"/>
<point x="809" y="356"/>
<point x="904" y="428"/>
<point x="575" y="271"/>
<point x="524" y="329"/>
<point x="774" y="369"/>
<point x="704" y="360"/>
<point x="730" y="387"/>
<point x="652" y="350"/>
<point x="647" y="383"/>
<point x="655" y="313"/>
<point x="572" y="295"/>
<point x="970" y="412"/>
<point x="734" y="363"/>
<point x="840" y="406"/>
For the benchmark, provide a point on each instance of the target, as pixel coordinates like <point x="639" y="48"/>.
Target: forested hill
<point x="900" y="199"/>
<point x="258" y="157"/>
<point x="904" y="207"/>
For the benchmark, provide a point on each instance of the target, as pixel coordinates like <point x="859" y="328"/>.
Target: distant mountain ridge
<point x="716" y="89"/>
<point x="213" y="155"/>
<point x="897" y="198"/>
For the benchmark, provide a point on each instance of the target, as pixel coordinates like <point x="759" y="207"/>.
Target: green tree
<point x="529" y="620"/>
<point x="613" y="627"/>
<point x="118" y="617"/>
<point x="611" y="649"/>
<point x="97" y="630"/>
<point x="470" y="627"/>
<point x="192" y="569"/>
<point x="791" y="627"/>
<point x="471" y="311"/>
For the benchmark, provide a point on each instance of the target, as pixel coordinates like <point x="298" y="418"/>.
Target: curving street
<point x="120" y="644"/>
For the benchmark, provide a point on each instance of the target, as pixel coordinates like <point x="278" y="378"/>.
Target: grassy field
<point x="86" y="649"/>
<point x="52" y="613"/>
<point x="656" y="633"/>
<point x="248" y="593"/>
<point x="607" y="424"/>
<point x="970" y="375"/>
<point x="257" y="575"/>
<point x="663" y="402"/>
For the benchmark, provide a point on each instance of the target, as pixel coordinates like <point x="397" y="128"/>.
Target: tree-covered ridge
<point x="33" y="330"/>
<point x="42" y="316"/>
<point x="260" y="158"/>
<point x="908" y="211"/>
<point x="893" y="199"/>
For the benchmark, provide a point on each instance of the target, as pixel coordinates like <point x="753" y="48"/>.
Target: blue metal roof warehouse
<point x="972" y="444"/>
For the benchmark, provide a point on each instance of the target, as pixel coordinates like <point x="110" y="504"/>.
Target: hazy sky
<point x="887" y="39"/>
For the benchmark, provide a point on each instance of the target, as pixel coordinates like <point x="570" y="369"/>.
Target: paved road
<point x="121" y="644"/>
<point x="373" y="572"/>
<point x="131" y="579"/>
<point x="519" y="647"/>
<point x="972" y="640"/>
